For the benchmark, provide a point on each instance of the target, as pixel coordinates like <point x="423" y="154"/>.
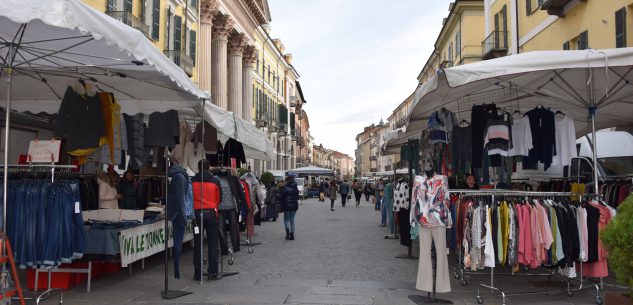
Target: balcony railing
<point x="130" y="20"/>
<point x="495" y="45"/>
<point x="180" y="58"/>
<point x="555" y="7"/>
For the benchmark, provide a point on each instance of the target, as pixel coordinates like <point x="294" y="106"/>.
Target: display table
<point x="131" y="243"/>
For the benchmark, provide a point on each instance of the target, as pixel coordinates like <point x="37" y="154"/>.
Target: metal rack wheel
<point x="456" y="275"/>
<point x="250" y="250"/>
<point x="230" y="261"/>
<point x="570" y="293"/>
<point x="598" y="300"/>
<point x="463" y="282"/>
<point x="480" y="300"/>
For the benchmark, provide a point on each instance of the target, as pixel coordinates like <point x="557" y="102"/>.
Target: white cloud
<point x="357" y="59"/>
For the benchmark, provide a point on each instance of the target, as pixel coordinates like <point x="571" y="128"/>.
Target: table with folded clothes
<point x="102" y="236"/>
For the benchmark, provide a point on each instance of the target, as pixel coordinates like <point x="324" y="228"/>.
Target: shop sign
<point x="143" y="241"/>
<point x="44" y="151"/>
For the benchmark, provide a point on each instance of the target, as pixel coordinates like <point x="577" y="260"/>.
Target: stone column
<point x="221" y="27"/>
<point x="249" y="59"/>
<point x="237" y="42"/>
<point x="208" y="10"/>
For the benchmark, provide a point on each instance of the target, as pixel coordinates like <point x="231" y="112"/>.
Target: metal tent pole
<point x="201" y="230"/>
<point x="7" y="120"/>
<point x="594" y="157"/>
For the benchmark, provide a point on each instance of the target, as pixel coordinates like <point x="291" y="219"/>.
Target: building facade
<point x="532" y="25"/>
<point x="226" y="48"/>
<point x="172" y="25"/>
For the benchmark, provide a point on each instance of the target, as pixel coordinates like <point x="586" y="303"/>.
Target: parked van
<point x="614" y="152"/>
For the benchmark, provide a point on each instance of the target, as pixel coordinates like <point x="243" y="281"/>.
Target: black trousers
<point x="231" y="216"/>
<point x="357" y="195"/>
<point x="208" y="224"/>
<point x="332" y="203"/>
<point x="367" y="196"/>
<point x="343" y="199"/>
<point x="478" y="120"/>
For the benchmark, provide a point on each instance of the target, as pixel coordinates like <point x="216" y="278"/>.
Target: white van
<point x="614" y="152"/>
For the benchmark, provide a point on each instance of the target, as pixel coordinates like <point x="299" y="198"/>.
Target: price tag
<point x="77" y="207"/>
<point x="196" y="230"/>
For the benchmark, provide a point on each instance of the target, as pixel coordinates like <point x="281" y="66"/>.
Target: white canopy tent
<point x="47" y="44"/>
<point x="255" y="142"/>
<point x="594" y="87"/>
<point x="312" y="170"/>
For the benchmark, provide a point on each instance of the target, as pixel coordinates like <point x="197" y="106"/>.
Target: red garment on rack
<point x="599" y="268"/>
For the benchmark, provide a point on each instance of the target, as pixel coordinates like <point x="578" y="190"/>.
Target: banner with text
<point x="146" y="240"/>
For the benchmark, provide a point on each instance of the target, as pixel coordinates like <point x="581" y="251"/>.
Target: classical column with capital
<point x="208" y="10"/>
<point x="222" y="25"/>
<point x="237" y="42"/>
<point x="248" y="60"/>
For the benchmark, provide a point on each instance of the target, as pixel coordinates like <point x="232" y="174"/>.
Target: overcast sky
<point x="358" y="59"/>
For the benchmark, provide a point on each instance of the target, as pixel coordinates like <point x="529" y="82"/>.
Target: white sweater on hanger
<point x="565" y="141"/>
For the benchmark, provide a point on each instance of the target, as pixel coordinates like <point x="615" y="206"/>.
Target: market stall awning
<point x="575" y="82"/>
<point x="256" y="143"/>
<point x="312" y="170"/>
<point x="56" y="42"/>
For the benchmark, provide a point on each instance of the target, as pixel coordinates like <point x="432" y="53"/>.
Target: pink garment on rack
<point x="548" y="239"/>
<point x="599" y="268"/>
<point x="526" y="228"/>
<point x="536" y="239"/>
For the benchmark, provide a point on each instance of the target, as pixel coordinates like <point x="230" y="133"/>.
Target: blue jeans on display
<point x="289" y="220"/>
<point x="42" y="231"/>
<point x="79" y="235"/>
<point x="178" y="230"/>
<point x="32" y="203"/>
<point x="54" y="212"/>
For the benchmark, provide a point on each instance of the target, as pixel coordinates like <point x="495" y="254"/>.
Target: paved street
<point x="339" y="257"/>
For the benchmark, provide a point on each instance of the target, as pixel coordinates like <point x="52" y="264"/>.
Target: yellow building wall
<point x="598" y="17"/>
<point x="472" y="35"/>
<point x="100" y="5"/>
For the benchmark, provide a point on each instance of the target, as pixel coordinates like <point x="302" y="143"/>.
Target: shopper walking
<point x="271" y="202"/>
<point x="344" y="191"/>
<point x="387" y="204"/>
<point x="367" y="189"/>
<point x="207" y="195"/>
<point x="322" y="188"/>
<point x="378" y="188"/>
<point x="332" y="194"/>
<point x="358" y="191"/>
<point x="289" y="199"/>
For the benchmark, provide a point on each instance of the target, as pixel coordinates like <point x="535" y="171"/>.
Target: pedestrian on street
<point x="387" y="203"/>
<point x="207" y="195"/>
<point x="358" y="191"/>
<point x="332" y="193"/>
<point x="322" y="187"/>
<point x="344" y="191"/>
<point x="367" y="190"/>
<point x="271" y="202"/>
<point x="378" y="189"/>
<point x="289" y="199"/>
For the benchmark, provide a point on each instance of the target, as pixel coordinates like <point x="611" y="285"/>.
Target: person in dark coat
<point x="271" y="202"/>
<point x="127" y="190"/>
<point x="289" y="199"/>
<point x="367" y="190"/>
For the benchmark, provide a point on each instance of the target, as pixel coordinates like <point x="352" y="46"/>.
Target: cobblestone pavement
<point x="338" y="257"/>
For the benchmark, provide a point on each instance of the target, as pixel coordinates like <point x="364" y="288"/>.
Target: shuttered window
<point x="192" y="46"/>
<point x="155" y="19"/>
<point x="620" y="28"/>
<point x="177" y="32"/>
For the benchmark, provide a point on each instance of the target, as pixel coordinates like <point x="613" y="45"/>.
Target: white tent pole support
<point x="7" y="122"/>
<point x="200" y="170"/>
<point x="594" y="156"/>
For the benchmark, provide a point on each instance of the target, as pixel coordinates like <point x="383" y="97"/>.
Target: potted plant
<point x="267" y="179"/>
<point x="618" y="238"/>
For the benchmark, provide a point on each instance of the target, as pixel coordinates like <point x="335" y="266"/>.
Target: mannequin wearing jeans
<point x="429" y="209"/>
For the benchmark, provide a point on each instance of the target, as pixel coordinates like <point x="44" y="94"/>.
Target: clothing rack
<point x="52" y="167"/>
<point x="500" y="291"/>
